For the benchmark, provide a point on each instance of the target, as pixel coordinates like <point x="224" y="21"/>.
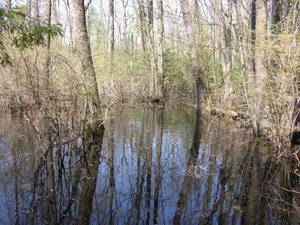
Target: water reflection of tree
<point x="158" y="176"/>
<point x="65" y="175"/>
<point x="112" y="199"/>
<point x="145" y="204"/>
<point x="191" y="163"/>
<point x="227" y="180"/>
<point x="239" y="186"/>
<point x="90" y="164"/>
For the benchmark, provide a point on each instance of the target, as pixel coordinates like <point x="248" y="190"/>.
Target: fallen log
<point x="228" y="113"/>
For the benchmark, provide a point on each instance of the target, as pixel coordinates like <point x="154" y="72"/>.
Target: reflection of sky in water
<point x="213" y="190"/>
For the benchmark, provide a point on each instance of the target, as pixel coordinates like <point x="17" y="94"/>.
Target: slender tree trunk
<point x="198" y="74"/>
<point x="227" y="55"/>
<point x="37" y="10"/>
<point x="83" y="51"/>
<point x="225" y="50"/>
<point x="218" y="27"/>
<point x="142" y="23"/>
<point x="197" y="22"/>
<point x="257" y="80"/>
<point x="160" y="30"/>
<point x="29" y="8"/>
<point x="251" y="69"/>
<point x="70" y="21"/>
<point x="112" y="39"/>
<point x="88" y="20"/>
<point x="47" y="21"/>
<point x="55" y="13"/>
<point x="261" y="73"/>
<point x="111" y="26"/>
<point x="239" y="34"/>
<point x="216" y="34"/>
<point x="125" y="36"/>
<point x="150" y="33"/>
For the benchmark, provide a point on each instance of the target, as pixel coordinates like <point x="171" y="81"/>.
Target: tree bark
<point x="112" y="39"/>
<point x="142" y="23"/>
<point x="55" y="7"/>
<point x="227" y="55"/>
<point x="198" y="74"/>
<point x="111" y="26"/>
<point x="160" y="46"/>
<point x="47" y="21"/>
<point x="83" y="51"/>
<point x="261" y="73"/>
<point x="125" y="36"/>
<point x="37" y="10"/>
<point x="150" y="39"/>
<point x="29" y="8"/>
<point x="257" y="80"/>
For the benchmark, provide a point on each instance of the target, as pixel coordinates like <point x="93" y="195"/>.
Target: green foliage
<point x="4" y="57"/>
<point x="139" y="63"/>
<point x="209" y="66"/>
<point x="136" y="28"/>
<point x="215" y="75"/>
<point x="236" y="75"/>
<point x="174" y="76"/>
<point x="25" y="33"/>
<point x="96" y="26"/>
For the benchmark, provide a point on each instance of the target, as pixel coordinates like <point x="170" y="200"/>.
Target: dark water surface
<point x="154" y="167"/>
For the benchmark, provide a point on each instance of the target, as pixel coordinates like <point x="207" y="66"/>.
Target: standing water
<point x="151" y="167"/>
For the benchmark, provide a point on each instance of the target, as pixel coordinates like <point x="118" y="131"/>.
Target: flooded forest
<point x="149" y="112"/>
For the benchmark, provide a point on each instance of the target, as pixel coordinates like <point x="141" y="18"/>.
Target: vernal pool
<point x="151" y="167"/>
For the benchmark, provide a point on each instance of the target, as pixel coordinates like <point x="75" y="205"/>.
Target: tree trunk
<point x="70" y="21"/>
<point x="261" y="73"/>
<point x="29" y="6"/>
<point x="47" y="21"/>
<point x="257" y="81"/>
<point x="37" y="11"/>
<point x="198" y="74"/>
<point x="227" y="55"/>
<point x="112" y="39"/>
<point x="55" y="7"/>
<point x="125" y="36"/>
<point x="160" y="30"/>
<point x="142" y="23"/>
<point x="83" y="51"/>
<point x="111" y="26"/>
<point x="251" y="69"/>
<point x="153" y="74"/>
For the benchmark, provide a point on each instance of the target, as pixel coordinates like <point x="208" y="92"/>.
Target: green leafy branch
<point x="26" y="32"/>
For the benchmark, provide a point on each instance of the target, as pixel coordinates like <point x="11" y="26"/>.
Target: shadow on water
<point x="149" y="167"/>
